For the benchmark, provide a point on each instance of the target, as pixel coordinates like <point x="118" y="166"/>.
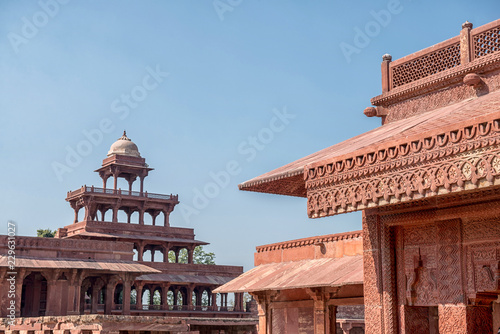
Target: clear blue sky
<point x="69" y="67"/>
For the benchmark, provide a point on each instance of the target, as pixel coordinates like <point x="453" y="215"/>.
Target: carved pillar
<point x="214" y="302"/>
<point x="388" y="280"/>
<point x="153" y="250"/>
<point x="371" y="269"/>
<point x="189" y="297"/>
<point x="332" y="319"/>
<point x="138" y="298"/>
<point x="108" y="302"/>
<point x="127" y="283"/>
<point x="164" y="296"/>
<point x="386" y="78"/>
<point x="94" y="300"/>
<point x="142" y="183"/>
<point x="320" y="319"/>
<point x="154" y="214"/>
<point x="140" y="251"/>
<point x="74" y="288"/>
<point x="53" y="302"/>
<point x="141" y="216"/>
<point x="21" y="274"/>
<point x="466" y="55"/>
<point x="176" y="251"/>
<point x="264" y="312"/>
<point x="190" y="254"/>
<point x="166" y="249"/>
<point x="166" y="214"/>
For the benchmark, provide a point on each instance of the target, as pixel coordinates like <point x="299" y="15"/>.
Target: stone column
<point x="190" y="254"/>
<point x="318" y="296"/>
<point x="94" y="299"/>
<point x="141" y="217"/>
<point x="386" y="75"/>
<point x="388" y="274"/>
<point x="332" y="319"/>
<point x="214" y="302"/>
<point x="189" y="297"/>
<point x="127" y="283"/>
<point x="53" y="299"/>
<point x="466" y="55"/>
<point x="372" y="273"/>
<point x="264" y="313"/>
<point x="142" y="183"/>
<point x="108" y="303"/>
<point x="140" y="251"/>
<point x="75" y="282"/>
<point x="138" y="298"/>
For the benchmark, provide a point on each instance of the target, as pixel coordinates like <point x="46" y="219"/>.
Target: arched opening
<point x="136" y="254"/>
<point x="118" y="295"/>
<point x="133" y="298"/>
<point x="122" y="184"/>
<point x="194" y="298"/>
<point x="157" y="299"/>
<point x="170" y="299"/>
<point x="34" y="295"/>
<point x="122" y="215"/>
<point x="180" y="299"/>
<point x="160" y="219"/>
<point x="148" y="218"/>
<point x="146" y="256"/>
<point x="134" y="217"/>
<point x="171" y="256"/>
<point x="146" y="298"/>
<point x="183" y="256"/>
<point x="158" y="256"/>
<point x="205" y="300"/>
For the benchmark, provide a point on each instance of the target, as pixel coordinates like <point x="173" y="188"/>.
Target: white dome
<point x="124" y="146"/>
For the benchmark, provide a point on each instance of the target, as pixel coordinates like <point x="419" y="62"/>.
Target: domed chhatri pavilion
<point x="110" y="271"/>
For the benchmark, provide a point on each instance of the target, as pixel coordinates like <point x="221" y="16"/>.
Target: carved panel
<point x="481" y="228"/>
<point x="452" y="319"/>
<point x="449" y="262"/>
<point x="416" y="319"/>
<point x="483" y="262"/>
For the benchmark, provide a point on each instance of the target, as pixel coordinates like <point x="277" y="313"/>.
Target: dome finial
<point x="124" y="136"/>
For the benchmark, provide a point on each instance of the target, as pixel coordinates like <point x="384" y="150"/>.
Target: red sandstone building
<point x="428" y="183"/>
<point x="103" y="275"/>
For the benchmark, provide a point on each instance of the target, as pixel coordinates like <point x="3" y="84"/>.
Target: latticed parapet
<point x="432" y="77"/>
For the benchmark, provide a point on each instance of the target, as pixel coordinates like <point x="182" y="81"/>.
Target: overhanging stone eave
<point x="464" y="157"/>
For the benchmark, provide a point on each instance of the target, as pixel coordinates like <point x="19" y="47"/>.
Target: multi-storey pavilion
<point x="427" y="181"/>
<point x="103" y="274"/>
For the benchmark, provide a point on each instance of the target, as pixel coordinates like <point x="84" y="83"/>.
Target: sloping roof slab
<point x="99" y="265"/>
<point x="447" y="150"/>
<point x="327" y="272"/>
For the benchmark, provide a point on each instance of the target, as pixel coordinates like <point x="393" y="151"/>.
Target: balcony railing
<point x="120" y="192"/>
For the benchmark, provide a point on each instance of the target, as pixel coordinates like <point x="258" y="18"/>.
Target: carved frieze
<point x="454" y="161"/>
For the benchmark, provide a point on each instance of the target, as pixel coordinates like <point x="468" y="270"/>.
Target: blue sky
<point x="222" y="70"/>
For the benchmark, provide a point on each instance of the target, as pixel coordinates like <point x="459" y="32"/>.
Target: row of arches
<point x="124" y="214"/>
<point x="101" y="294"/>
<point x="163" y="253"/>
